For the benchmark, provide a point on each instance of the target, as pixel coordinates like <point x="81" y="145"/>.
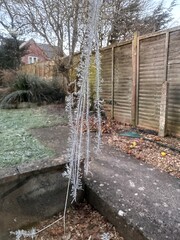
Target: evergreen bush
<point x="30" y="88"/>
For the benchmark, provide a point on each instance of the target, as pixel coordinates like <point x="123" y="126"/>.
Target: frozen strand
<point x="74" y="151"/>
<point x="70" y="140"/>
<point x="98" y="103"/>
<point x="88" y="129"/>
<point x="74" y="139"/>
<point x="66" y="202"/>
<point x="105" y="236"/>
<point x="32" y="233"/>
<point x="78" y="153"/>
<point x="78" y="146"/>
<point x="98" y="77"/>
<point x="86" y="112"/>
<point x="69" y="104"/>
<point x="69" y="169"/>
<point x="81" y="112"/>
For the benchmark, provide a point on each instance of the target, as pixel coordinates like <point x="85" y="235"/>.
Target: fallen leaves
<point x="133" y="145"/>
<point x="149" y="148"/>
<point x="83" y="223"/>
<point x="163" y="154"/>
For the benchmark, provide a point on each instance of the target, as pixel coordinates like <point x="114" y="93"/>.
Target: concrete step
<point x="142" y="202"/>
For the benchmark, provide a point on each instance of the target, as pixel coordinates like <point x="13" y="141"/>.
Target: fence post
<point x="112" y="82"/>
<point x="164" y="93"/>
<point x="134" y="78"/>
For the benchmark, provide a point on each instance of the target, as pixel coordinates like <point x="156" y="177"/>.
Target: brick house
<point x="36" y="52"/>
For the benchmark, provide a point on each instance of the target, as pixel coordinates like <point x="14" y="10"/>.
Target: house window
<point x="32" y="59"/>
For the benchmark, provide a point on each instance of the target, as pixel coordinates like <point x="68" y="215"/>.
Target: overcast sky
<point x="176" y="12"/>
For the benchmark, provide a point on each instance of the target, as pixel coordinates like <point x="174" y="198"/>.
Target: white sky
<point x="176" y="13"/>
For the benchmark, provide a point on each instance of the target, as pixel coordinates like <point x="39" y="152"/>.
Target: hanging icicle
<point x="80" y="115"/>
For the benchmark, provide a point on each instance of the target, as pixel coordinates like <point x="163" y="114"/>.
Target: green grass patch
<point x="17" y="145"/>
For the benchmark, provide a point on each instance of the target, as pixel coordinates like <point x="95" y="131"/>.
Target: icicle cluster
<point x="105" y="236"/>
<point x="80" y="116"/>
<point x="24" y="234"/>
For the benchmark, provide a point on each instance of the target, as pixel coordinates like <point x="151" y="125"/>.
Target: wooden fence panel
<point x="135" y="74"/>
<point x="173" y="111"/>
<point x="151" y="77"/>
<point x="123" y="83"/>
<point x="44" y="70"/>
<point x="106" y="86"/>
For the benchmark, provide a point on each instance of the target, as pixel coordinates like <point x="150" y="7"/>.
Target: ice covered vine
<point x="79" y="116"/>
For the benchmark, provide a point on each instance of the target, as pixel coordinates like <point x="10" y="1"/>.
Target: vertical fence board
<point x="106" y="94"/>
<point x="151" y="77"/>
<point x="164" y="92"/>
<point x="123" y="83"/>
<point x="134" y="78"/>
<point x="112" y="84"/>
<point x="173" y="112"/>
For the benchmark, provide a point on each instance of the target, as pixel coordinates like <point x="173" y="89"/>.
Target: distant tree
<point x="121" y="18"/>
<point x="157" y="20"/>
<point x="10" y="53"/>
<point x="59" y="23"/>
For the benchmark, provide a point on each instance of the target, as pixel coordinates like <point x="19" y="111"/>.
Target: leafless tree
<point x="62" y="23"/>
<point x="59" y="22"/>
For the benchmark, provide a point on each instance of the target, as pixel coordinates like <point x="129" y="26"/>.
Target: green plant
<point x="30" y="88"/>
<point x="15" y="97"/>
<point x="10" y="52"/>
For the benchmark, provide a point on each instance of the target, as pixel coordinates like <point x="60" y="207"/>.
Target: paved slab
<point x="141" y="201"/>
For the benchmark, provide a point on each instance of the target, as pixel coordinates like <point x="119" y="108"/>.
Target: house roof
<point x="47" y="49"/>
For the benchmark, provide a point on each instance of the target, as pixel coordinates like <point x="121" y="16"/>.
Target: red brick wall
<point x="34" y="51"/>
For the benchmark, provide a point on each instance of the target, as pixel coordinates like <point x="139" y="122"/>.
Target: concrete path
<point x="141" y="201"/>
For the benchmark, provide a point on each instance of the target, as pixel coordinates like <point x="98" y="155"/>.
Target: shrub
<point x="7" y="78"/>
<point x="30" y="88"/>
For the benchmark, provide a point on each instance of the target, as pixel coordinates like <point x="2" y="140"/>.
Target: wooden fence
<point x="46" y="70"/>
<point x="141" y="81"/>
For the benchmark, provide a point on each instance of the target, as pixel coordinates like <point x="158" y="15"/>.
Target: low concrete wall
<point x="128" y="231"/>
<point x="30" y="193"/>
